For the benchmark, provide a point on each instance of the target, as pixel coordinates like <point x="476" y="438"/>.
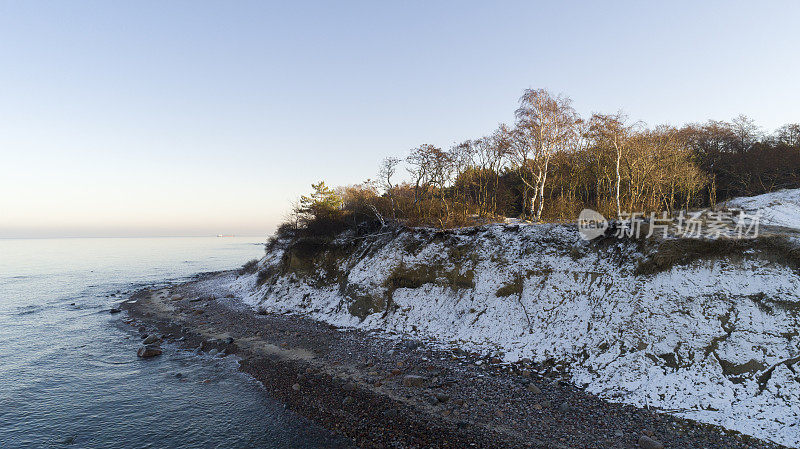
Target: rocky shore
<point x="382" y="391"/>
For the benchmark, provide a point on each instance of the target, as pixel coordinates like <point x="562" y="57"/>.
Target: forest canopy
<point x="551" y="163"/>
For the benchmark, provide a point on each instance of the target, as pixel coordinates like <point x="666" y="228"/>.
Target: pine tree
<point x="322" y="201"/>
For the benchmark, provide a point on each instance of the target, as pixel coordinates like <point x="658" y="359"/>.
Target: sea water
<point x="69" y="375"/>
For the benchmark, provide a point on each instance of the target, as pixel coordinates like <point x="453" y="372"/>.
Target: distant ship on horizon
<point x="225" y="235"/>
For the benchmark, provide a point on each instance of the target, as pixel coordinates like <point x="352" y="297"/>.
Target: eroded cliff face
<point x="705" y="329"/>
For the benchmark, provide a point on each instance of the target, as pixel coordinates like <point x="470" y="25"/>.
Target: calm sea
<point x="69" y="375"/>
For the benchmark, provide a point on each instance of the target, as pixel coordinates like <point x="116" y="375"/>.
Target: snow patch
<point x="781" y="208"/>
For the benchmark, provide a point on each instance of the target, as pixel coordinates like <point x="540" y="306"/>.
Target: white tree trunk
<point x="541" y="190"/>
<point x="619" y="177"/>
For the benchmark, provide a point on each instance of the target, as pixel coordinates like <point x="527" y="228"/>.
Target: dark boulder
<point x="149" y="351"/>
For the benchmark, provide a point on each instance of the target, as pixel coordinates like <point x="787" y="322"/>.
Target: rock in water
<point x="148" y="351"/>
<point x="413" y="381"/>
<point x="150" y="340"/>
<point x="68" y="440"/>
<point x="649" y="443"/>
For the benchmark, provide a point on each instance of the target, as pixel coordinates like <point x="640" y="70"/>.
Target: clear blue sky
<point x="192" y="118"/>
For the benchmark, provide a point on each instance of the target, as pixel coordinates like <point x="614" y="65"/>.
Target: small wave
<point x="101" y="362"/>
<point x="27" y="310"/>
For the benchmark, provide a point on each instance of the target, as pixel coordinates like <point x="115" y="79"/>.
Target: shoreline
<point x="378" y="391"/>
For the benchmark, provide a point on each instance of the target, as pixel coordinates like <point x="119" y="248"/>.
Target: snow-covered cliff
<point x="703" y="329"/>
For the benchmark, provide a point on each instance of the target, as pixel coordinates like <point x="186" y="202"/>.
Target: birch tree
<point x="545" y="125"/>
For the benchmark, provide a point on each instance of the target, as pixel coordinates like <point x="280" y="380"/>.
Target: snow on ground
<point x="715" y="340"/>
<point x="781" y="208"/>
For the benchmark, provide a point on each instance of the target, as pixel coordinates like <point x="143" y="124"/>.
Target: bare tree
<point x="612" y="130"/>
<point x="789" y="135"/>
<point x="387" y="170"/>
<point x="462" y="156"/>
<point x="441" y="173"/>
<point x="419" y="165"/>
<point x="488" y="156"/>
<point x="746" y="131"/>
<point x="501" y="149"/>
<point x="431" y="169"/>
<point x="522" y="155"/>
<point x="545" y="124"/>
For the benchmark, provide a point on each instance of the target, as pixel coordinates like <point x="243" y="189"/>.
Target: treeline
<point x="552" y="163"/>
